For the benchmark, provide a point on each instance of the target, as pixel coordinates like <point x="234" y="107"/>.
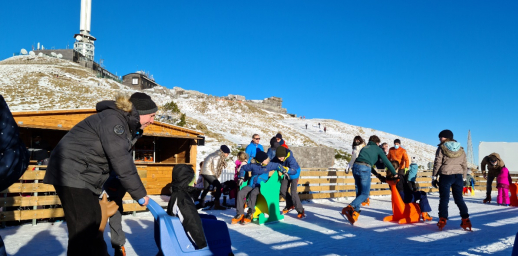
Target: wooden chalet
<point x="155" y="154"/>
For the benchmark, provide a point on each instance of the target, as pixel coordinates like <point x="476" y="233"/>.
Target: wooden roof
<point x="66" y="119"/>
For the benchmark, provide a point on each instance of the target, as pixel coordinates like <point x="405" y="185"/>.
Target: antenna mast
<point x="471" y="160"/>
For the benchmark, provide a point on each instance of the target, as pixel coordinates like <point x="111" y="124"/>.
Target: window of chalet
<point x="135" y="81"/>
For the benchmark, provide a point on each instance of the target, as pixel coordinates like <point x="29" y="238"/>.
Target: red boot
<point x="466" y="224"/>
<point x="441" y="223"/>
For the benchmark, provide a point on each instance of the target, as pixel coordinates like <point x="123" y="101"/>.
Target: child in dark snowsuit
<point x="182" y="205"/>
<point x="285" y="158"/>
<point x="261" y="170"/>
<point x="408" y="192"/>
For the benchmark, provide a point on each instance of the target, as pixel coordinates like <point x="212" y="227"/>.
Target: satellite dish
<point x="23" y="51"/>
<point x="40" y="54"/>
<point x="32" y="53"/>
<point x="53" y="54"/>
<point x="60" y="56"/>
<point x="79" y="38"/>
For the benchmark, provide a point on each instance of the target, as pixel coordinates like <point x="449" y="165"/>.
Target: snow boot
<point x="217" y="206"/>
<point x="119" y="250"/>
<point x="238" y="218"/>
<point x="441" y="223"/>
<point x="286" y="210"/>
<point x="426" y="216"/>
<point x="366" y="202"/>
<point x="351" y="214"/>
<point x="301" y="215"/>
<point x="487" y="200"/>
<point x="466" y="224"/>
<point x="248" y="218"/>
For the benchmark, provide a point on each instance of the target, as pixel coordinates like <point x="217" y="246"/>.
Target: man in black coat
<point x="14" y="157"/>
<point x="81" y="162"/>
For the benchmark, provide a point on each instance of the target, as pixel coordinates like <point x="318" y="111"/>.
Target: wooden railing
<point x="481" y="183"/>
<point x="30" y="199"/>
<point x="330" y="183"/>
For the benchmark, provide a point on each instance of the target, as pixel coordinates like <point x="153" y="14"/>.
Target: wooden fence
<point x="330" y="183"/>
<point x="481" y="183"/>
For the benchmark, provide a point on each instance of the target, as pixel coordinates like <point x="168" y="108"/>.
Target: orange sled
<point x="401" y="212"/>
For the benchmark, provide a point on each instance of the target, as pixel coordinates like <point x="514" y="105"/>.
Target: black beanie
<point x="225" y="149"/>
<point x="260" y="156"/>
<point x="446" y="134"/>
<point x="397" y="141"/>
<point x="281" y="152"/>
<point x="278" y="136"/>
<point x="143" y="103"/>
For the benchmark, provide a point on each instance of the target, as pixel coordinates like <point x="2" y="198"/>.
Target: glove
<point x="381" y="178"/>
<point x="435" y="182"/>
<point x="240" y="182"/>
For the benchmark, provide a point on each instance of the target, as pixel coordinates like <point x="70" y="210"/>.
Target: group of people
<point x="253" y="166"/>
<point x="449" y="173"/>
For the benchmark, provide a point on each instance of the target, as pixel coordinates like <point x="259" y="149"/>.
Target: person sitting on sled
<point x="181" y="204"/>
<point x="408" y="191"/>
<point x="261" y="170"/>
<point x="469" y="184"/>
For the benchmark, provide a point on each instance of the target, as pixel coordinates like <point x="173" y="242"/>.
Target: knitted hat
<point x="281" y="152"/>
<point x="446" y="134"/>
<point x="278" y="136"/>
<point x="260" y="156"/>
<point x="225" y="149"/>
<point x="143" y="103"/>
<point x="397" y="141"/>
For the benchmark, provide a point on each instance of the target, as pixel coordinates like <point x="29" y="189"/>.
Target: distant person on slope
<point x="362" y="176"/>
<point x="281" y="141"/>
<point x="358" y="144"/>
<point x="306" y="126"/>
<point x="451" y="166"/>
<point x="398" y="153"/>
<point x="494" y="165"/>
<point x="213" y="165"/>
<point x="325" y="129"/>
<point x="253" y="146"/>
<point x="273" y="148"/>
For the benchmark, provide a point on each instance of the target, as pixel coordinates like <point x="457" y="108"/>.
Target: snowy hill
<point x="44" y="83"/>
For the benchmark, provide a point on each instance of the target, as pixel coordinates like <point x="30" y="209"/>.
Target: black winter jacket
<point x="96" y="145"/>
<point x="14" y="156"/>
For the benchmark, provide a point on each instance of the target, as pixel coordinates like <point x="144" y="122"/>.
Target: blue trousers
<point x="456" y="184"/>
<point x="416" y="196"/>
<point x="362" y="179"/>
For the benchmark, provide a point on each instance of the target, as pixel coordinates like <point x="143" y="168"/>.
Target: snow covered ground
<point x="323" y="232"/>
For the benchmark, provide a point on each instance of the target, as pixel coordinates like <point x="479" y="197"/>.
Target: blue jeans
<point x="362" y="179"/>
<point x="456" y="184"/>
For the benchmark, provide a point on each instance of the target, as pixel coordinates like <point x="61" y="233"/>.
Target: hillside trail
<point x="314" y="132"/>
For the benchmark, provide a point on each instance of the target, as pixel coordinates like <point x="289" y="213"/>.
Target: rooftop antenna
<point x="32" y="53"/>
<point x="23" y="51"/>
<point x="471" y="160"/>
<point x="59" y="56"/>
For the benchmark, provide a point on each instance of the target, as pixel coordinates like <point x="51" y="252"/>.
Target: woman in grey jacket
<point x="213" y="165"/>
<point x="451" y="165"/>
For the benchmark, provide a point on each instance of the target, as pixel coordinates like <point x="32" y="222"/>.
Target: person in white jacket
<point x="213" y="165"/>
<point x="358" y="144"/>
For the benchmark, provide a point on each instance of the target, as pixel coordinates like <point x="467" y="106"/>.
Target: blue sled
<point x="171" y="239"/>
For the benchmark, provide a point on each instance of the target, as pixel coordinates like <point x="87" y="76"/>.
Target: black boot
<point x="119" y="250"/>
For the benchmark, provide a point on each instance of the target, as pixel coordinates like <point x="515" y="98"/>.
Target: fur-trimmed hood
<point x="452" y="149"/>
<point x="123" y="105"/>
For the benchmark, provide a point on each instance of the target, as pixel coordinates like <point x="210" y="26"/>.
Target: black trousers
<point x="83" y="218"/>
<point x="211" y="180"/>
<point x="116" y="192"/>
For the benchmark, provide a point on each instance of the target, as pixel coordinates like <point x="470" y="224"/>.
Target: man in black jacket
<point x="81" y="162"/>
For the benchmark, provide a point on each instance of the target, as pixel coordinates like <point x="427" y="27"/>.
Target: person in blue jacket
<point x="285" y="157"/>
<point x="253" y="147"/>
<point x="260" y="170"/>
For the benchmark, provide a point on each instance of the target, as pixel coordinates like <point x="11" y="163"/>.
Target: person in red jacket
<point x="280" y="140"/>
<point x="397" y="153"/>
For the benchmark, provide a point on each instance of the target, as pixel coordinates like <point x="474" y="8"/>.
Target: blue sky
<point x="411" y="68"/>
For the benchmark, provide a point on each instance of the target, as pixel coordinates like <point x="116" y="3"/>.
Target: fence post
<point x="35" y="207"/>
<point x="134" y="213"/>
<point x="3" y="208"/>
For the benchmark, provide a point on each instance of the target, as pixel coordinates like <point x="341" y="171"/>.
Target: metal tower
<point x="471" y="160"/>
<point x="84" y="41"/>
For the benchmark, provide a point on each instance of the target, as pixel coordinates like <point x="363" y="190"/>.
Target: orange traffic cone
<point x="514" y="189"/>
<point x="401" y="212"/>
